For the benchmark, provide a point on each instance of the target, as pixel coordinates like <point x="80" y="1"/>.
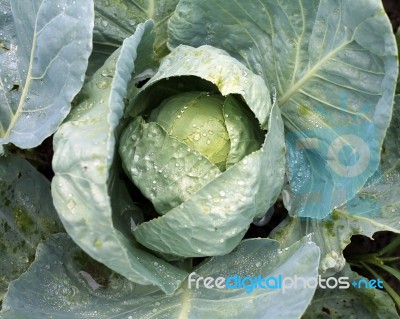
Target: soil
<point x="392" y="8"/>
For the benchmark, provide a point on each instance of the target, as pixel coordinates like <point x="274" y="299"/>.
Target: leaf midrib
<point x="300" y="83"/>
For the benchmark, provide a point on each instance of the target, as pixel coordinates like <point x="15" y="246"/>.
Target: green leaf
<point x="390" y="150"/>
<point x="214" y="219"/>
<point x="27" y="215"/>
<point x="334" y="66"/>
<point x="354" y="302"/>
<point x="44" y="51"/>
<point x="334" y="233"/>
<point x="204" y="69"/>
<point x="375" y="208"/>
<point x="64" y="283"/>
<point x="88" y="180"/>
<point x="117" y="20"/>
<point x="169" y="185"/>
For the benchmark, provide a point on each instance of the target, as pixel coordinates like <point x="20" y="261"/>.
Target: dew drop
<point x="71" y="204"/>
<point x="135" y="171"/>
<point x="258" y="264"/>
<point x="102" y="84"/>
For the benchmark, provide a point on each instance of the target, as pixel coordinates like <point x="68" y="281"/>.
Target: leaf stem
<point x="388" y="288"/>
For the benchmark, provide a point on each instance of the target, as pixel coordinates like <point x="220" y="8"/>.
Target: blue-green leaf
<point x="376" y="207"/>
<point x="357" y="301"/>
<point x="64" y="283"/>
<point x="27" y="215"/>
<point x="44" y="51"/>
<point x="334" y="65"/>
<point x="88" y="191"/>
<point x="117" y="20"/>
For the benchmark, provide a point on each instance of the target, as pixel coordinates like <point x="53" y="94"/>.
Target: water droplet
<point x="208" y="142"/>
<point x="102" y="84"/>
<point x="155" y="264"/>
<point x="222" y="193"/>
<point x="135" y="171"/>
<point x="104" y="23"/>
<point x="105" y="73"/>
<point x="258" y="264"/>
<point x="102" y="101"/>
<point x="71" y="204"/>
<point x="194" y="125"/>
<point x="47" y="267"/>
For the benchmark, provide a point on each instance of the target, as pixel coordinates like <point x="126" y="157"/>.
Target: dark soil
<point x="392" y="8"/>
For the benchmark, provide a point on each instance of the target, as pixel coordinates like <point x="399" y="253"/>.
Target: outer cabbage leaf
<point x="354" y="302"/>
<point x="376" y="207"/>
<point x="334" y="65"/>
<point x="59" y="284"/>
<point x="44" y="51"/>
<point x="27" y="215"/>
<point x="88" y="191"/>
<point x="117" y="20"/>
<point x="214" y="219"/>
